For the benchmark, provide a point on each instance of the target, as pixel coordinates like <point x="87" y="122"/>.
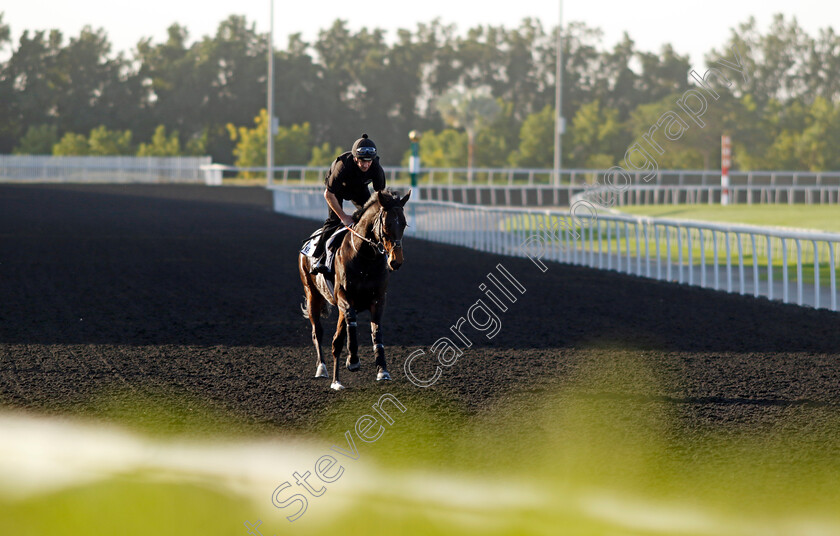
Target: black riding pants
<point x="331" y="224"/>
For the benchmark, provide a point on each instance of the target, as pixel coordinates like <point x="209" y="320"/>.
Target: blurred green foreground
<point x="603" y="454"/>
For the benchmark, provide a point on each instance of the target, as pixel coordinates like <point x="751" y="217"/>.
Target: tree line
<point x="207" y="96"/>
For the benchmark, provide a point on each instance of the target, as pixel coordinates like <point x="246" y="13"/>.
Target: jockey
<point x="347" y="178"/>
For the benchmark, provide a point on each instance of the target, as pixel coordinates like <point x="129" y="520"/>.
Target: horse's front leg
<point x="353" y="364"/>
<point x="348" y="315"/>
<point x="376" y="311"/>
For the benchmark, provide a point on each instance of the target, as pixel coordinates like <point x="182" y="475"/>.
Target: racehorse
<point x="367" y="253"/>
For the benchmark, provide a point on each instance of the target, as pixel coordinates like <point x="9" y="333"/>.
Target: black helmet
<point x="364" y="148"/>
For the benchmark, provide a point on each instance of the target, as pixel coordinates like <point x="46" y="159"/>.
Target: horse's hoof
<point x="322" y="371"/>
<point x="336" y="386"/>
<point x="383" y="375"/>
<point x="354" y="367"/>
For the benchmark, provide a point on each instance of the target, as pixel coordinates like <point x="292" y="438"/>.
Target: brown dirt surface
<point x="191" y="294"/>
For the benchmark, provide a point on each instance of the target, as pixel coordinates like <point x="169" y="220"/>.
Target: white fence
<point x="288" y="175"/>
<point x="794" y="267"/>
<point x="537" y="188"/>
<point x="480" y="186"/>
<point x="755" y="194"/>
<point x="556" y="196"/>
<point x="107" y="169"/>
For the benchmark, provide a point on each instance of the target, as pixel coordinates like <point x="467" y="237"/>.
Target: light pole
<point x="269" y="165"/>
<point x="414" y="169"/>
<point x="414" y="161"/>
<point x="559" y="125"/>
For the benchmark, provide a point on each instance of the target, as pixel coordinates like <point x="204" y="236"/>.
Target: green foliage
<point x="161" y="145"/>
<point x="467" y="108"/>
<point x="292" y="145"/>
<point x="817" y="147"/>
<point x="782" y="154"/>
<point x="677" y="154"/>
<point x="104" y="142"/>
<point x="250" y="144"/>
<point x="495" y="140"/>
<point x="71" y="144"/>
<point x="101" y="142"/>
<point x="792" y="137"/>
<point x="599" y="161"/>
<point x="197" y="145"/>
<point x="447" y="148"/>
<point x="470" y="109"/>
<point x="536" y="145"/>
<point x="38" y="140"/>
<point x="199" y="88"/>
<point x="491" y="148"/>
<point x="494" y="82"/>
<point x="595" y="131"/>
<point x="5" y="32"/>
<point x="324" y="154"/>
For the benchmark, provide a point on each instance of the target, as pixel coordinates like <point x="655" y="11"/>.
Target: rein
<point x="378" y="246"/>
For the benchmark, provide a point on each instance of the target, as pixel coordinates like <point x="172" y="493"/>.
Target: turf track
<point x="192" y="292"/>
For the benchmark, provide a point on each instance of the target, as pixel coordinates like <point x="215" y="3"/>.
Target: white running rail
<point x="791" y="266"/>
<point x="537" y="187"/>
<point x="292" y="175"/>
<point x="107" y="169"/>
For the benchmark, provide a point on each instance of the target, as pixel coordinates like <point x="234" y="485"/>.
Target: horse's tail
<point x="325" y="311"/>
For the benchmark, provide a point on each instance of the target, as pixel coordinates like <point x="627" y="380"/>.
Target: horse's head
<point x="390" y="225"/>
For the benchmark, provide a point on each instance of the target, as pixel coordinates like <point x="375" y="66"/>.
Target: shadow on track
<point x="194" y="265"/>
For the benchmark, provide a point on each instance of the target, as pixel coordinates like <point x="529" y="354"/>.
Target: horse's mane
<point x="391" y="198"/>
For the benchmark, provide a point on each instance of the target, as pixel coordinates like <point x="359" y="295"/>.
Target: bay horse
<point x="367" y="253"/>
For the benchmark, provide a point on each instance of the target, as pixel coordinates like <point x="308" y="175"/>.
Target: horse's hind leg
<point x="376" y="337"/>
<point x="315" y="304"/>
<point x="337" y="344"/>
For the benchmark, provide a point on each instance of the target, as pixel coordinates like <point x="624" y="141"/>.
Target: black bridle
<point x="381" y="219"/>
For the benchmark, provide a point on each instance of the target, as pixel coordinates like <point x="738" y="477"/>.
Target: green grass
<point x="817" y="217"/>
<point x="799" y="216"/>
<point x="618" y="241"/>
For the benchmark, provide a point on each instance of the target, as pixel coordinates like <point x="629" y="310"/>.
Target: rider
<point x="348" y="178"/>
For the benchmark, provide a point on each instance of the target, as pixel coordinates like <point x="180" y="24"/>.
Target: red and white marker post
<point x="725" y="162"/>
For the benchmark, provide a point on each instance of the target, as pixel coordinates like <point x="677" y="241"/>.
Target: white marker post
<point x="725" y="162"/>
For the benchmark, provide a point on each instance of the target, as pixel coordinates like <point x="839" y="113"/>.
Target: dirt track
<point x="193" y="292"/>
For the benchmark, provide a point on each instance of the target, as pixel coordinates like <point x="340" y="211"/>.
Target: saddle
<point x="333" y="242"/>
